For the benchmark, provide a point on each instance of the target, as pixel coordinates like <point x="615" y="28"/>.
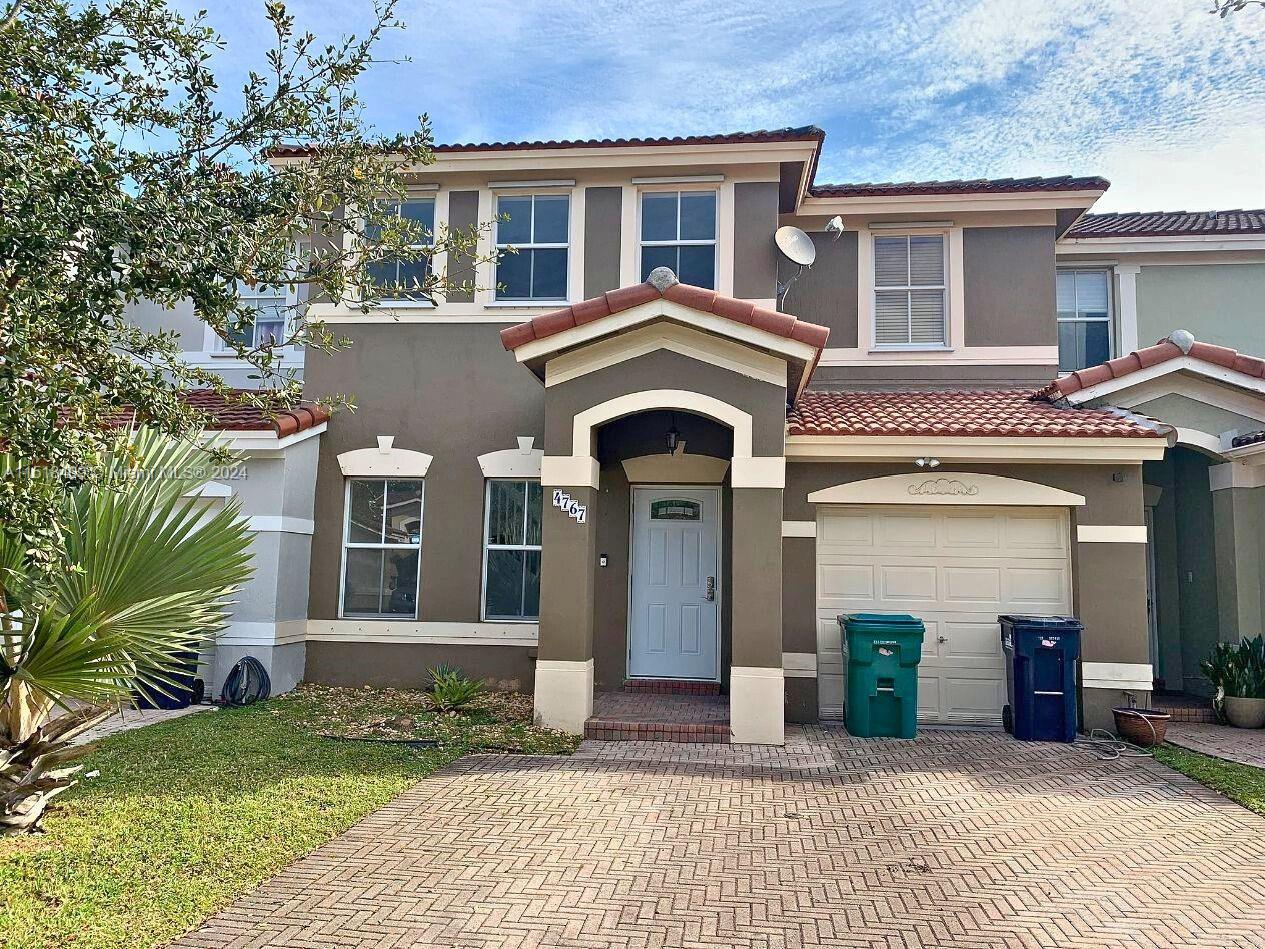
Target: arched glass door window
<point x="676" y="509"/>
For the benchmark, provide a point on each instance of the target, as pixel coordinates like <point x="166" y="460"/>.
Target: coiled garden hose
<point x="247" y="683"/>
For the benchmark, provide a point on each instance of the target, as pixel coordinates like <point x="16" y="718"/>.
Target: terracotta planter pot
<point x="1245" y="713"/>
<point x="1144" y="727"/>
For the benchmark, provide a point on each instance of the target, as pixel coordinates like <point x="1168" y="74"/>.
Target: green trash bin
<point x="882" y="651"/>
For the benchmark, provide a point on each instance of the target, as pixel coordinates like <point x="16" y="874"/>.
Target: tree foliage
<point x="124" y="177"/>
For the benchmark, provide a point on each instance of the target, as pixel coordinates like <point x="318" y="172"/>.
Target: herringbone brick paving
<point x="961" y="839"/>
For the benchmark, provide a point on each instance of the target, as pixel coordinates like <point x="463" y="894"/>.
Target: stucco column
<point x="756" y="686"/>
<point x="1110" y="599"/>
<point x="564" y="667"/>
<point x="1238" y="517"/>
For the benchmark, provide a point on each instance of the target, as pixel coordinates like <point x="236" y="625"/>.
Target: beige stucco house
<point x="652" y="453"/>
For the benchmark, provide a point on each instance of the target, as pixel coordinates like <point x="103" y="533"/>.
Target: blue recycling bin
<point x="1041" y="654"/>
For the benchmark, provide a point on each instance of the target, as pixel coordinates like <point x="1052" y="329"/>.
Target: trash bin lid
<point x="1021" y="619"/>
<point x="880" y="619"/>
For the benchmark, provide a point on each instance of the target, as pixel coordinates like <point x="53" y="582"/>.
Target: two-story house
<point x="652" y="453"/>
<point x="1126" y="281"/>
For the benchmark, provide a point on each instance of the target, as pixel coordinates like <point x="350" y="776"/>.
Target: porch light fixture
<point x="927" y="462"/>
<point x="673" y="436"/>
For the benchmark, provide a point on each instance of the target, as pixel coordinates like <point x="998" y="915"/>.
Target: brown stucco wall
<point x="568" y="559"/>
<point x="799" y="609"/>
<point x="463" y="213"/>
<point x="755" y="255"/>
<point x="826" y="294"/>
<point x="404" y="665"/>
<point x="757" y="577"/>
<point x="602" y="212"/>
<point x="1009" y="286"/>
<point x="449" y="390"/>
<point x="667" y="370"/>
<point x="801" y="701"/>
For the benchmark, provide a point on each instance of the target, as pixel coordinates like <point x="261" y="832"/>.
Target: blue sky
<point x="1161" y="97"/>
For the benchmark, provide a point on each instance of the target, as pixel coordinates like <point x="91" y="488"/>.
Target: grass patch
<point x="1241" y="783"/>
<point x="187" y="815"/>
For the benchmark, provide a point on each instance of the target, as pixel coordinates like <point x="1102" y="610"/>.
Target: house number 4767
<point x="570" y="506"/>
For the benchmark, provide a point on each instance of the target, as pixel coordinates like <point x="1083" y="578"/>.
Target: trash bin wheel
<point x="1007" y="719"/>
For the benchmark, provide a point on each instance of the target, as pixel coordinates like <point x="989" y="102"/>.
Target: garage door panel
<point x="957" y="569"/>
<point x="902" y="584"/>
<point x="970" y="532"/>
<point x="973" y="586"/>
<point x="1036" y="589"/>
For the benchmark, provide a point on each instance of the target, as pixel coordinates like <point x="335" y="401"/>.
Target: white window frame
<point x="943" y="287"/>
<point x="487" y="516"/>
<point x="349" y="545"/>
<point x="433" y="198"/>
<point x="1109" y="319"/>
<point x="680" y="190"/>
<point x="567" y="193"/>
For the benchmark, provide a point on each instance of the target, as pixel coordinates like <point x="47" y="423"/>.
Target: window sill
<point x="525" y="304"/>
<point x="877" y="350"/>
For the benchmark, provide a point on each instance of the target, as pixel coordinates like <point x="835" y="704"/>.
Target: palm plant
<point x="146" y="577"/>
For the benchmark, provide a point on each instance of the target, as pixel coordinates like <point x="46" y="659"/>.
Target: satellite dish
<point x="796" y="245"/>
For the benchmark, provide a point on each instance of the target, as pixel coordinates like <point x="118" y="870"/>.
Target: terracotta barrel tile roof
<point x="227" y="415"/>
<point x="987" y="412"/>
<point x="1180" y="343"/>
<point x="1169" y="223"/>
<point x="805" y="133"/>
<point x="1250" y="438"/>
<point x="697" y="298"/>
<point x="959" y="186"/>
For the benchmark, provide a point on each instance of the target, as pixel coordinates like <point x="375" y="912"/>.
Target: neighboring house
<point x="275" y="306"/>
<point x="637" y="454"/>
<point x="1127" y="281"/>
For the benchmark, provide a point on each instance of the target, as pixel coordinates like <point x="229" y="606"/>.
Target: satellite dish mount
<point x="799" y="249"/>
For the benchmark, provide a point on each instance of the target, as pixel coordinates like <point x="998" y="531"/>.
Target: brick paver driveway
<point x="956" y="839"/>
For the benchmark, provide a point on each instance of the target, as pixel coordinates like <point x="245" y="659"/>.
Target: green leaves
<point x="125" y="176"/>
<point x="149" y="574"/>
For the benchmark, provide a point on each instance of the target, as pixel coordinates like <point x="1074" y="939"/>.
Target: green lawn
<point x="188" y="814"/>
<point x="1241" y="783"/>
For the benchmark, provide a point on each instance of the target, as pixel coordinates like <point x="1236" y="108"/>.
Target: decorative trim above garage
<point x="947" y="488"/>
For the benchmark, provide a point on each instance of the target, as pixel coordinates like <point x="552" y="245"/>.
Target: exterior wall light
<point x="927" y="462"/>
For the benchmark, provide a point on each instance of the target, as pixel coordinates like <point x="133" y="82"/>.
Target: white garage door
<point x="955" y="567"/>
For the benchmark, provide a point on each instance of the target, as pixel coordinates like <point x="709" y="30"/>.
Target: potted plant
<point x="1237" y="672"/>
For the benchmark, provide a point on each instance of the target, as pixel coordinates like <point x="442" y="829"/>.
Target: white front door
<point x="673" y="622"/>
<point x="958" y="568"/>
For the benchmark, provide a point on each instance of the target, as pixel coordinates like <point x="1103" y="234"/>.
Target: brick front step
<point x="671" y="687"/>
<point x="1185" y="708"/>
<point x="602" y="729"/>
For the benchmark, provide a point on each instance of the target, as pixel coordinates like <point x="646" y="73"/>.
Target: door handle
<point x="710" y="595"/>
<point x="942" y="639"/>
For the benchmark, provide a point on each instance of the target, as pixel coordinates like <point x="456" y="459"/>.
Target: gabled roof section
<point x="960" y="186"/>
<point x="804" y="133"/>
<point x="1169" y="224"/>
<point x="1179" y="351"/>
<point x="618" y="311"/>
<point x="979" y="413"/>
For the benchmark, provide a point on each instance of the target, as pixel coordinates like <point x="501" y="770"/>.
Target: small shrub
<point x="451" y="689"/>
<point x="1237" y="669"/>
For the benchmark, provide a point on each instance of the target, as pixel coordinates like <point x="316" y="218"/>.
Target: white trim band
<point x="757" y="705"/>
<point x="441" y="634"/>
<point x="1125" y="676"/>
<point x="758" y="473"/>
<point x="267" y="523"/>
<point x="280" y="633"/>
<point x="799" y="665"/>
<point x="1111" y="533"/>
<point x="564" y="694"/>
<point x="1235" y="474"/>
<point x="569" y="471"/>
<point x="799" y="528"/>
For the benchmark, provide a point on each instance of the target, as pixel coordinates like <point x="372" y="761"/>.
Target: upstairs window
<point x="1083" y="299"/>
<point x="382" y="548"/>
<point x="511" y="550"/>
<point x="910" y="298"/>
<point x="678" y="230"/>
<point x="399" y="279"/>
<point x="537" y="226"/>
<point x="270" y="304"/>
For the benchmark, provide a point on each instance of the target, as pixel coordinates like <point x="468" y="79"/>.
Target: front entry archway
<point x="674" y="584"/>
